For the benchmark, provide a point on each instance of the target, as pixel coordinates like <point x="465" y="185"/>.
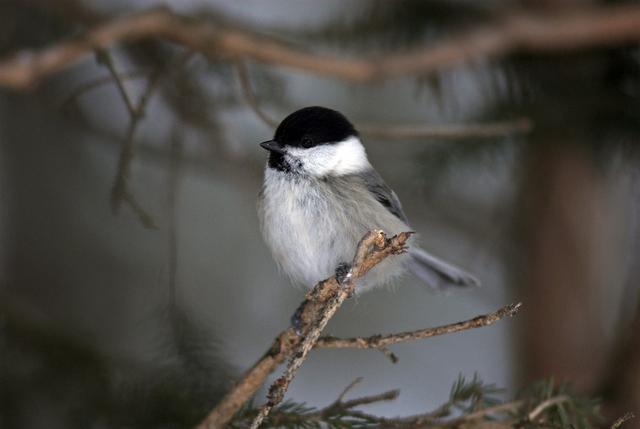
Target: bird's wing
<point x="384" y="194"/>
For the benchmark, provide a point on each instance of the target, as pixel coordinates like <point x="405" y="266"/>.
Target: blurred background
<point x="135" y="286"/>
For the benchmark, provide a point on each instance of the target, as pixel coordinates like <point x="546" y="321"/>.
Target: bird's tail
<point x="436" y="273"/>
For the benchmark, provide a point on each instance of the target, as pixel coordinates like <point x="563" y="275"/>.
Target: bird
<point x="320" y="195"/>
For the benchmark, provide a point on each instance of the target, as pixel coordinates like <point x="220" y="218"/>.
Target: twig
<point x="337" y="408"/>
<point x="496" y="409"/>
<point x="433" y="418"/>
<point x="103" y="57"/>
<point x="251" y="381"/>
<point x="520" y="31"/>
<point x="317" y="302"/>
<point x="105" y="80"/>
<point x="621" y="420"/>
<point x="546" y="404"/>
<point x="390" y="132"/>
<point x="389" y="354"/>
<point x="249" y="94"/>
<point x="447" y="131"/>
<point x="372" y="249"/>
<point x="120" y="191"/>
<point x="389" y="395"/>
<point x="348" y="389"/>
<point x="286" y="342"/>
<point x="378" y="341"/>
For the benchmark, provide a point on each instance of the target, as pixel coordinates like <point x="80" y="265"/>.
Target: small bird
<point x="321" y="195"/>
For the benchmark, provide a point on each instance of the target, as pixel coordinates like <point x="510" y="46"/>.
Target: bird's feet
<point x="343" y="272"/>
<point x="343" y="275"/>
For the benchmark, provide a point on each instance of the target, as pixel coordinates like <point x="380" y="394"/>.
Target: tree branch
<point x="520" y="31"/>
<point x="379" y="341"/>
<point x="544" y="405"/>
<point x="446" y="131"/>
<point x="318" y="307"/>
<point x="98" y="82"/>
<point x="391" y="132"/>
<point x="372" y="249"/>
<point x="314" y="313"/>
<point x="250" y="96"/>
<point x="622" y="419"/>
<point x="120" y="191"/>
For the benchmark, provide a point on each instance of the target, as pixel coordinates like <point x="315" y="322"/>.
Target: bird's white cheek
<point x="316" y="162"/>
<point x="345" y="157"/>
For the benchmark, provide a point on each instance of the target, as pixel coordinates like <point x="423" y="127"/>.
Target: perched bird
<point x="321" y="195"/>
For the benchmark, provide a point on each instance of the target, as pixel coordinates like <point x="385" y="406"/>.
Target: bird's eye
<point x="306" y="142"/>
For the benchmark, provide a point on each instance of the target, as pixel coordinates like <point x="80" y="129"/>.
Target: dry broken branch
<point x="519" y="31"/>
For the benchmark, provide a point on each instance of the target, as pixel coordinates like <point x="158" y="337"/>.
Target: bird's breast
<point x="303" y="225"/>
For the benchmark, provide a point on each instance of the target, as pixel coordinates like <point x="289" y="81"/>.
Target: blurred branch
<point x="621" y="420"/>
<point x="120" y="191"/>
<point x="446" y="131"/>
<point x="250" y="96"/>
<point x="537" y="411"/>
<point x="519" y="31"/>
<point x="98" y="82"/>
<point x="391" y="132"/>
<point x="103" y="57"/>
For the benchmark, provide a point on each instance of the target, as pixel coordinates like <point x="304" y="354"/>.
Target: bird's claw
<point x="401" y="251"/>
<point x="343" y="272"/>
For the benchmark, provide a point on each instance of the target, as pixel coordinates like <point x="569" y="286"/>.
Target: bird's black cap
<point x="313" y="126"/>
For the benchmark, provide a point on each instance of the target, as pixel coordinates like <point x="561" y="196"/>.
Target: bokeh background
<point x="140" y="310"/>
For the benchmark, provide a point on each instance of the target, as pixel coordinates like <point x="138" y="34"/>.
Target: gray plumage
<point x="313" y="224"/>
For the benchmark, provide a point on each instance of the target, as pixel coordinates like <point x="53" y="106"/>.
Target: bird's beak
<point x="273" y="146"/>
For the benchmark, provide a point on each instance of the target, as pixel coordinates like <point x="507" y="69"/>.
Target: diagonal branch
<point x="250" y="95"/>
<point x="98" y="82"/>
<point x="538" y="410"/>
<point x="320" y="302"/>
<point x="623" y="419"/>
<point x="372" y="249"/>
<point x="517" y="32"/>
<point x="379" y="341"/>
